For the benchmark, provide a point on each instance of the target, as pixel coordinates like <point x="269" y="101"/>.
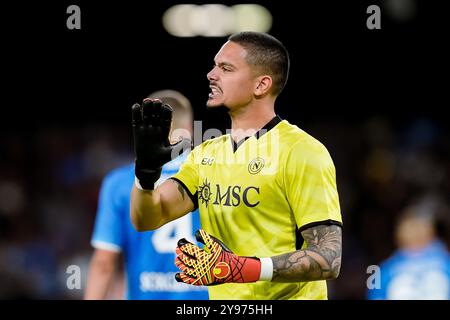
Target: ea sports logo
<point x="221" y="270"/>
<point x="256" y="165"/>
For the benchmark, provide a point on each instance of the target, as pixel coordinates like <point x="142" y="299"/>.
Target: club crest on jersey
<point x="256" y="165"/>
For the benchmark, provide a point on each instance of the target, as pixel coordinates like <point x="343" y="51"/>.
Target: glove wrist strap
<point x="146" y="179"/>
<point x="266" y="269"/>
<point x="137" y="184"/>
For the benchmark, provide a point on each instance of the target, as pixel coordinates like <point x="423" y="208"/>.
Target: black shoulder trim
<point x="194" y="197"/>
<point x="328" y="222"/>
<point x="298" y="234"/>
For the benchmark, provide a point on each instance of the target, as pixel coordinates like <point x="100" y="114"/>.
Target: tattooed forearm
<point x="320" y="260"/>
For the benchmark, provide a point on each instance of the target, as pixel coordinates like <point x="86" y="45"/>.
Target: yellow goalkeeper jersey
<point x="258" y="196"/>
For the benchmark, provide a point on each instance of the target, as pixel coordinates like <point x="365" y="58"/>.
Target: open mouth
<point x="214" y="91"/>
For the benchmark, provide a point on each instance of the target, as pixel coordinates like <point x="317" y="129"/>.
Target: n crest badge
<point x="256" y="165"/>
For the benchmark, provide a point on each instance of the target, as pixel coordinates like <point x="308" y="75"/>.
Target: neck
<point x="247" y="121"/>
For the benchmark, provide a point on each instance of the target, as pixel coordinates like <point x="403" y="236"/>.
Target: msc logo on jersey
<point x="229" y="195"/>
<point x="256" y="165"/>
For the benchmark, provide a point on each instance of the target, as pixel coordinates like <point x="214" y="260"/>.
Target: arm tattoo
<point x="180" y="188"/>
<point x="320" y="260"/>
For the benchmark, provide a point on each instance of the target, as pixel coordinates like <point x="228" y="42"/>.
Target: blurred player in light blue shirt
<point x="420" y="268"/>
<point x="148" y="256"/>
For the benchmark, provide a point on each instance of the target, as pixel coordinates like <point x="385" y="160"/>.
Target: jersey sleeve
<point x="310" y="181"/>
<point x="188" y="175"/>
<point x="108" y="232"/>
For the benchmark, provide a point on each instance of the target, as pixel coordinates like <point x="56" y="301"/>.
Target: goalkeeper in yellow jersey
<point x="266" y="192"/>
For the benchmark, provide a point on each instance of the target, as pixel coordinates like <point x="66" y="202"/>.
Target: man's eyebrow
<point x="225" y="64"/>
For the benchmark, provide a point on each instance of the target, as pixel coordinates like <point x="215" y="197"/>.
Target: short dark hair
<point x="267" y="54"/>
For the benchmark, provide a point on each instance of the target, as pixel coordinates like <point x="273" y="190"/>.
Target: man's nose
<point x="212" y="75"/>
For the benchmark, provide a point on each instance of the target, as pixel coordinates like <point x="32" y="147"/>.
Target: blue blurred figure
<point x="420" y="268"/>
<point x="148" y="256"/>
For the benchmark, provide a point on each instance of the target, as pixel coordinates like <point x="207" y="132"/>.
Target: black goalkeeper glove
<point x="151" y="127"/>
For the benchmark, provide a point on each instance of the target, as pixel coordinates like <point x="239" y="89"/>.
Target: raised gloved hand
<point x="151" y="127"/>
<point x="214" y="264"/>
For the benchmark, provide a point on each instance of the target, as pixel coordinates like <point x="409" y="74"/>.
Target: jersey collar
<point x="269" y="125"/>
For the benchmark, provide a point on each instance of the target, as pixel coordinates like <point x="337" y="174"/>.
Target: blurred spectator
<point x="420" y="267"/>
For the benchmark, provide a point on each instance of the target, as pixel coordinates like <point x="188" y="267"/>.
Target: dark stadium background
<point x="375" y="98"/>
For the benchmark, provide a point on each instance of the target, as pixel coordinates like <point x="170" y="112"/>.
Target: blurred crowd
<point x="50" y="178"/>
<point x="383" y="168"/>
<point x="49" y="183"/>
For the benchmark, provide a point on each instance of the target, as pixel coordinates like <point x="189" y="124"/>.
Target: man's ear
<point x="263" y="85"/>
